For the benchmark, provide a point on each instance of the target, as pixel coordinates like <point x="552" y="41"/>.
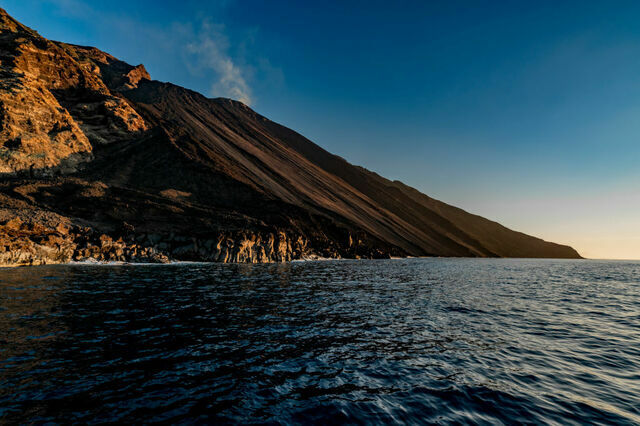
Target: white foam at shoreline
<point x="93" y="262"/>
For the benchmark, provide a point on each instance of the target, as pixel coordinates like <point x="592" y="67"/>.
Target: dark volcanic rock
<point x="139" y="170"/>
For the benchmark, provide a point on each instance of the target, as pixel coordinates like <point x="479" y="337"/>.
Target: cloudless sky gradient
<point x="527" y="113"/>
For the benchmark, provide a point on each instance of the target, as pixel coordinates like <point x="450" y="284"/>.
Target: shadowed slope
<point x="449" y="229"/>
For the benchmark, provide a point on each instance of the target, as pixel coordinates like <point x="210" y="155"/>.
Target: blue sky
<point x="526" y="113"/>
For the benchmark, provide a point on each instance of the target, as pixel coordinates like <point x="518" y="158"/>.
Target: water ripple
<point x="485" y="341"/>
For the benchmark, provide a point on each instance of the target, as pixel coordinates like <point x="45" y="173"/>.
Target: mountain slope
<point x="96" y="143"/>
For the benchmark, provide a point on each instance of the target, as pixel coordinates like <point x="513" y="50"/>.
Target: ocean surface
<point x="486" y="341"/>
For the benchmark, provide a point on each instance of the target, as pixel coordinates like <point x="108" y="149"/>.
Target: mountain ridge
<point x="93" y="142"/>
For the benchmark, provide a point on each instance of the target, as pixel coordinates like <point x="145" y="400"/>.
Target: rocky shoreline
<point x="26" y="243"/>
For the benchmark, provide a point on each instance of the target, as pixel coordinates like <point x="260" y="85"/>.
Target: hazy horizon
<point x="524" y="114"/>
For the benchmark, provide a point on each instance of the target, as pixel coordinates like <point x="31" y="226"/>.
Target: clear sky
<point x="527" y="113"/>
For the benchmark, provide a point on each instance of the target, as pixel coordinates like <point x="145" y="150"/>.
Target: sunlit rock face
<point x="140" y="170"/>
<point x="54" y="103"/>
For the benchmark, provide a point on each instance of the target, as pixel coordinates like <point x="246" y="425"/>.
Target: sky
<point x="527" y="113"/>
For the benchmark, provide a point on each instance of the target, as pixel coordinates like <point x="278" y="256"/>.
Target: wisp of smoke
<point x="212" y="50"/>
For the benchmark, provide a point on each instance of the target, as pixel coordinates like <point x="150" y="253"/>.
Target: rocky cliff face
<point x="98" y="161"/>
<point x="55" y="104"/>
<point x="31" y="243"/>
<point x="27" y="244"/>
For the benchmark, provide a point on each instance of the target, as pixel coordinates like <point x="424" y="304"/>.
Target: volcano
<point x="99" y="161"/>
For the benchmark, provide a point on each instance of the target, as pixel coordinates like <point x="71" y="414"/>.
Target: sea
<point x="399" y="341"/>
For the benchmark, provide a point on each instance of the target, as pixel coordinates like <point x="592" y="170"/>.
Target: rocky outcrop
<point x="36" y="133"/>
<point x="22" y="245"/>
<point x="27" y="244"/>
<point x="242" y="247"/>
<point x="54" y="105"/>
<point x="258" y="247"/>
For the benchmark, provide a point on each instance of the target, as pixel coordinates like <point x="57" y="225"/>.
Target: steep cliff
<point x="142" y="170"/>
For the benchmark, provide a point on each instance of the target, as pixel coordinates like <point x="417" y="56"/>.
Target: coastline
<point x="107" y="263"/>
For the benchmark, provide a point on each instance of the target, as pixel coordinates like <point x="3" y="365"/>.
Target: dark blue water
<point x="418" y="341"/>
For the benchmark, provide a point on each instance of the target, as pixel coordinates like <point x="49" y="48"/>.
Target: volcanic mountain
<point x="100" y="161"/>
